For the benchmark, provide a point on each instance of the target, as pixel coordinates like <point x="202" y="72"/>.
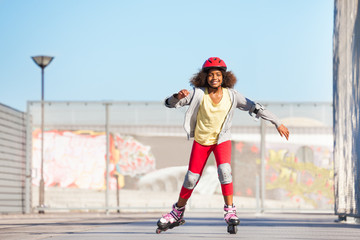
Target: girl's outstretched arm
<point x="283" y="131"/>
<point x="180" y="99"/>
<point x="181" y="94"/>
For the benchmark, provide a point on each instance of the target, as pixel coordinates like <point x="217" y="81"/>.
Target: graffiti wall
<point x="77" y="159"/>
<point x="302" y="174"/>
<point x="296" y="173"/>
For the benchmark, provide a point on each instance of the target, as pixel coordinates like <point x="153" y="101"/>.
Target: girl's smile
<point x="214" y="78"/>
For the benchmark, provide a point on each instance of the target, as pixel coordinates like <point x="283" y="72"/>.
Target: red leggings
<point x="198" y="158"/>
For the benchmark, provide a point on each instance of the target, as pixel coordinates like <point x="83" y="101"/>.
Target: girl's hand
<point x="283" y="131"/>
<point x="181" y="94"/>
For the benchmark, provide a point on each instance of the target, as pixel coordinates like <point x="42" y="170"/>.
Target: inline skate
<point x="171" y="219"/>
<point x="231" y="219"/>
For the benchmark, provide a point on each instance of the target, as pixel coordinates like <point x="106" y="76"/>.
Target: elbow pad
<point x="255" y="111"/>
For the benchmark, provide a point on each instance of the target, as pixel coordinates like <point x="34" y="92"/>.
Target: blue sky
<point x="139" y="50"/>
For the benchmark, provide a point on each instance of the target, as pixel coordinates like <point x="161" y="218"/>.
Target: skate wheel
<point x="158" y="231"/>
<point x="232" y="229"/>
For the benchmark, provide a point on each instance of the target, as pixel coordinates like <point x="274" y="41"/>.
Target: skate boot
<point x="171" y="219"/>
<point x="231" y="219"/>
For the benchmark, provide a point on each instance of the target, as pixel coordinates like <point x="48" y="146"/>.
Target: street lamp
<point x="42" y="62"/>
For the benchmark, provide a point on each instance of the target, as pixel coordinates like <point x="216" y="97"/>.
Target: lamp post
<point x="42" y="62"/>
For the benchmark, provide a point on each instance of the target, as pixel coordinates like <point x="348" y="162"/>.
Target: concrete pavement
<point x="198" y="226"/>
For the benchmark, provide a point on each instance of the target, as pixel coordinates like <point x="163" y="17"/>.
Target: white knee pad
<point x="224" y="171"/>
<point x="190" y="180"/>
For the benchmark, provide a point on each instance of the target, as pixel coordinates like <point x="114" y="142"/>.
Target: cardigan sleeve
<point x="173" y="102"/>
<point x="246" y="104"/>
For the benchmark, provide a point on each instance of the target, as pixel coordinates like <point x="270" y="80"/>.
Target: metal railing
<point x="113" y="130"/>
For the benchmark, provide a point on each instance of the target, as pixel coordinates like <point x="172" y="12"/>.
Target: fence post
<point x="107" y="157"/>
<point x="262" y="154"/>
<point x="116" y="176"/>
<point x="257" y="193"/>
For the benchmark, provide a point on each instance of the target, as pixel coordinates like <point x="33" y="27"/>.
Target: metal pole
<point x="41" y="187"/>
<point x="262" y="153"/>
<point x="117" y="194"/>
<point x="107" y="157"/>
<point x="257" y="187"/>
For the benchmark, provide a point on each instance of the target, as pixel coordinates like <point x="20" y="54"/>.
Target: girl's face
<point x="214" y="78"/>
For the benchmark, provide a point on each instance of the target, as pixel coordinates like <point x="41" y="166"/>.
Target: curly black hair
<point x="200" y="79"/>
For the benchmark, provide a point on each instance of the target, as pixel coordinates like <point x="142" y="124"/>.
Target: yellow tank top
<point x="210" y="118"/>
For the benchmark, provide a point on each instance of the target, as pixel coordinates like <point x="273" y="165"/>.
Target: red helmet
<point x="214" y="62"/>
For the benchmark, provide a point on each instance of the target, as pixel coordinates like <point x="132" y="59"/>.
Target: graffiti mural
<point x="77" y="159"/>
<point x="298" y="173"/>
<point x="306" y="179"/>
<point x="130" y="157"/>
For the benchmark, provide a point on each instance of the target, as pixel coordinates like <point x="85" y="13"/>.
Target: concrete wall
<point x="12" y="160"/>
<point x="346" y="96"/>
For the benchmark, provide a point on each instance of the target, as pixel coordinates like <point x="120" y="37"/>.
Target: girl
<point x="208" y="120"/>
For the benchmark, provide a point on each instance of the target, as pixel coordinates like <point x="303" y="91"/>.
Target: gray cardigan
<point x="238" y="101"/>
